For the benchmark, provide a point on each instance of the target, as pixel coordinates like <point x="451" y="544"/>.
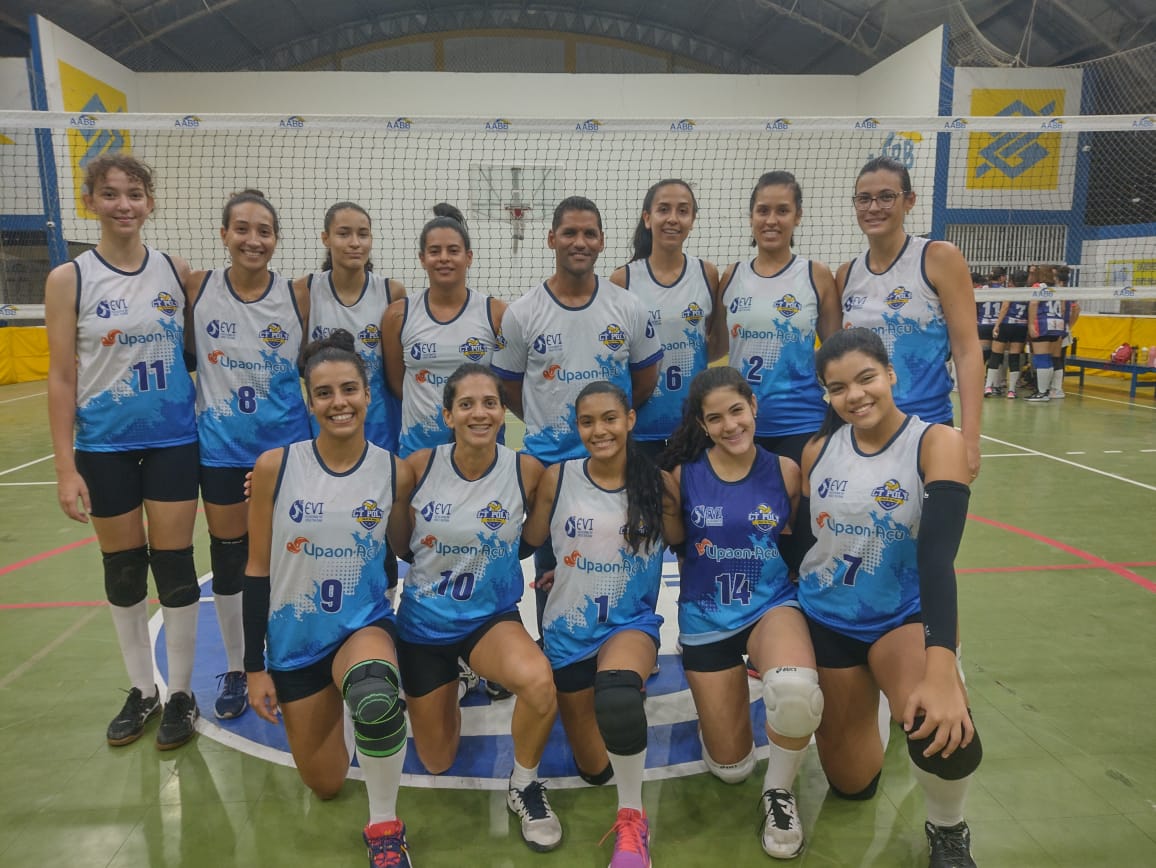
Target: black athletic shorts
<point x="580" y="676"/>
<point x="985" y="331"/>
<point x="835" y="650"/>
<point x="425" y="668"/>
<point x="788" y="445"/>
<point x="1012" y="333"/>
<point x="718" y="656"/>
<point x="118" y="482"/>
<point x="295" y="684"/>
<point x="223" y="486"/>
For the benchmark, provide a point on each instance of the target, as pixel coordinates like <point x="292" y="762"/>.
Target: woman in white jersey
<point x="460" y="597"/>
<point x="888" y="505"/>
<point x="315" y="601"/>
<point x="124" y="437"/>
<point x="425" y="338"/>
<point x="917" y="294"/>
<point x="679" y="291"/>
<point x="246" y="326"/>
<point x="604" y="516"/>
<point x="735" y="506"/>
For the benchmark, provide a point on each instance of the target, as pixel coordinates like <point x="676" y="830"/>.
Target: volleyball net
<point x="1010" y="191"/>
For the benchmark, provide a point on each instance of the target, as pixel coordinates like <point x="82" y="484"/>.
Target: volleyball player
<point x="604" y="516"/>
<point x="460" y="597"/>
<point x="1071" y="309"/>
<point x="986" y="316"/>
<point x="917" y="294"/>
<point x="888" y="505"/>
<point x="735" y="501"/>
<point x="1046" y="328"/>
<point x="124" y="436"/>
<point x="678" y="291"/>
<point x="315" y="598"/>
<point x="247" y="326"/>
<point x="1009" y="334"/>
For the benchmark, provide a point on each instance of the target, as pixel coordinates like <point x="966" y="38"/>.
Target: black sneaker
<point x="1039" y="397"/>
<point x="179" y="722"/>
<point x="496" y="691"/>
<point x="127" y="726"/>
<point x="950" y="846"/>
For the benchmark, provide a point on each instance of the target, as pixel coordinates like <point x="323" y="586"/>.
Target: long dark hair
<point x="690" y="439"/>
<point x="644" y="238"/>
<point x="777" y="178"/>
<point x="470" y="369"/>
<point x="861" y="340"/>
<point x="333" y="211"/>
<point x="446" y="216"/>
<point x="887" y="164"/>
<point x="257" y="198"/>
<point x="644" y="489"/>
<point x="337" y="346"/>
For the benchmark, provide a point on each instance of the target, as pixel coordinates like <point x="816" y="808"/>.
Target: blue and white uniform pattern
<point x="362" y="319"/>
<point x="248" y="391"/>
<point x="600" y="586"/>
<point x="903" y="308"/>
<point x="987" y="312"/>
<point x="679" y="312"/>
<point x="861" y="577"/>
<point x="327" y="564"/>
<point x="773" y="327"/>
<point x="432" y="351"/>
<point x="556" y="350"/>
<point x="732" y="571"/>
<point x="465" y="549"/>
<point x="133" y="390"/>
<point x="1051" y="322"/>
<point x="1017" y="314"/>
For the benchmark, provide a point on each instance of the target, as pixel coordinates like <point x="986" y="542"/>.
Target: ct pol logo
<point x="486" y="754"/>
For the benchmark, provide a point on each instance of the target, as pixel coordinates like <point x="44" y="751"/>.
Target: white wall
<point x="20" y="189"/>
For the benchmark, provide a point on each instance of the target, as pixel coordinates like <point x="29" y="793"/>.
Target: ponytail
<point x="643" y="241"/>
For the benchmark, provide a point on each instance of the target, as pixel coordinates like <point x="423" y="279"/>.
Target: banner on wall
<point x="82" y="93"/>
<point x="1023" y="171"/>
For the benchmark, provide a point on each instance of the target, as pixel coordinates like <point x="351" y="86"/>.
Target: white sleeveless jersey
<point x="432" y="351"/>
<point x="362" y="319"/>
<point x="861" y="578"/>
<point x="248" y="391"/>
<point x="327" y="565"/>
<point x="679" y="312"/>
<point x="773" y="325"/>
<point x="556" y="350"/>
<point x="133" y="390"/>
<point x="465" y="547"/>
<point x="600" y="586"/>
<point x="903" y="308"/>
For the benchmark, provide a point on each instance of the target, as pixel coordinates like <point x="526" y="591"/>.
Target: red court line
<point x="1046" y="567"/>
<point x="1089" y="558"/>
<point x="34" y="559"/>
<point x="69" y="604"/>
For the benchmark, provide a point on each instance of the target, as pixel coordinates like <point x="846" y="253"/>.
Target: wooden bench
<point x="1103" y="365"/>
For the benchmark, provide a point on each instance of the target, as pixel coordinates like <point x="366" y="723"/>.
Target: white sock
<point x="382" y="780"/>
<point x="522" y="777"/>
<point x="992" y="373"/>
<point x="1044" y="379"/>
<point x="132" y="632"/>
<point x="181" y="644"/>
<point x="232" y="629"/>
<point x="944" y="799"/>
<point x="1013" y="378"/>
<point x="782" y="767"/>
<point x="884" y="720"/>
<point x="628" y="777"/>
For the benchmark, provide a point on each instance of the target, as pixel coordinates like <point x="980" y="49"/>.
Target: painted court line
<point x="34" y="559"/>
<point x="1008" y="455"/>
<point x="22" y="466"/>
<point x="67" y="634"/>
<point x="1071" y="463"/>
<point x="19" y="484"/>
<point x="23" y="397"/>
<point x="1114" y="401"/>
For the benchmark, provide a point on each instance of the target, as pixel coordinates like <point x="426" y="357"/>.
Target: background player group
<point x="795" y="485"/>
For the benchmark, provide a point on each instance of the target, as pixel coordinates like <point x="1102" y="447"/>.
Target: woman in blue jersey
<point x="735" y="504"/>
<point x="425" y="338"/>
<point x="460" y="597"/>
<point x="314" y="595"/>
<point x="124" y="437"/>
<point x="889" y="501"/>
<point x="1010" y="335"/>
<point x="679" y="291"/>
<point x="246" y="327"/>
<point x="604" y="515"/>
<point x="917" y="294"/>
<point x="1046" y="328"/>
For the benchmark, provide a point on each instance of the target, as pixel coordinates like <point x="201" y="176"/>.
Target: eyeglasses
<point x="886" y="200"/>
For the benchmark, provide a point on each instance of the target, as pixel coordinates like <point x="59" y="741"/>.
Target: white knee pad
<point x="793" y="700"/>
<point x="735" y="773"/>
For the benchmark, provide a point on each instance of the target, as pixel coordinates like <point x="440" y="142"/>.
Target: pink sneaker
<point x="632" y="844"/>
<point x="387" y="845"/>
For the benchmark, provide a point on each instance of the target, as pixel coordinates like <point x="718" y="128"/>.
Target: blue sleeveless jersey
<point x="1016" y="313"/>
<point x="902" y="307"/>
<point x="731" y="571"/>
<point x="773" y="327"/>
<point x="133" y="390"/>
<point x="1050" y="318"/>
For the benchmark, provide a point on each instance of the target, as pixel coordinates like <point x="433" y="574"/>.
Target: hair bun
<point x="445" y="209"/>
<point x="339" y="338"/>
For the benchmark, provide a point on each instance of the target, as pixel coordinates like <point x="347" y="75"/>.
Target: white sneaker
<point x="540" y="827"/>
<point x="1057" y="394"/>
<point x="782" y="830"/>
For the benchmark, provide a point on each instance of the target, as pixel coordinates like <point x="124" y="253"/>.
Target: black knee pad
<point x="618" y="706"/>
<point x="987" y="358"/>
<point x="863" y="795"/>
<point x="371" y="691"/>
<point x="176" y="577"/>
<point x="126" y="576"/>
<point x="600" y="779"/>
<point x="994" y="360"/>
<point x="959" y="765"/>
<point x="228" y="557"/>
<point x="1013" y="362"/>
